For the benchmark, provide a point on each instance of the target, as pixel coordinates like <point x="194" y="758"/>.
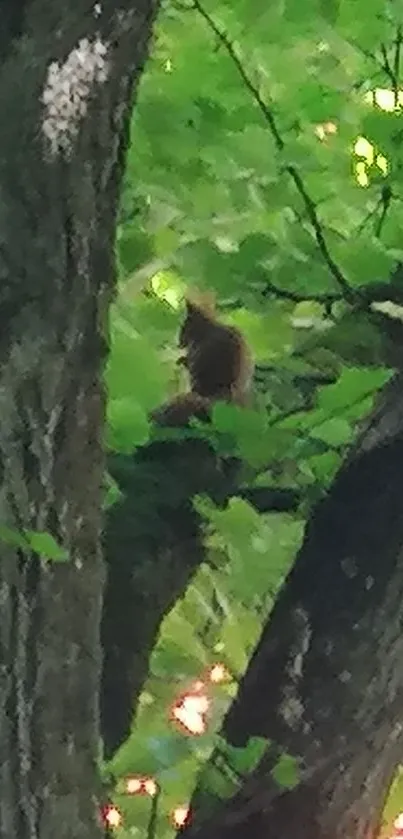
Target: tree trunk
<point x="66" y="80"/>
<point x="325" y="683"/>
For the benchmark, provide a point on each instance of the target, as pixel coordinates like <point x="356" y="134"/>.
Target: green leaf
<point x="363" y="25"/>
<point x="216" y="784"/>
<point x="287" y="773"/>
<point x="244" y="760"/>
<point x="128" y="425"/>
<point x="297" y="13"/>
<point x="134" y="248"/>
<point x="318" y="100"/>
<point x="247" y="433"/>
<point x="13" y="538"/>
<point x="353" y="385"/>
<point x="112" y="492"/>
<point x="41" y="543"/>
<point x="324" y="466"/>
<point x="135" y="372"/>
<point x="382" y="130"/>
<point x="330" y="10"/>
<point x="270" y="334"/>
<point x="46" y="546"/>
<point x="364" y="260"/>
<point x="335" y="432"/>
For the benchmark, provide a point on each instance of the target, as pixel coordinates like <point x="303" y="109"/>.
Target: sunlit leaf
<point x="46" y="546"/>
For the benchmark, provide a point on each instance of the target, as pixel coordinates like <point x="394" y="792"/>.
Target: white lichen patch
<point x="301" y="646"/>
<point x="349" y="567"/>
<point x="296" y="666"/>
<point x="4" y="594"/>
<point x="292" y="708"/>
<point x="345" y="676"/>
<point x="67" y="90"/>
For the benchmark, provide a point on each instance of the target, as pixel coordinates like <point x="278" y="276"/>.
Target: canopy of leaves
<point x="245" y="177"/>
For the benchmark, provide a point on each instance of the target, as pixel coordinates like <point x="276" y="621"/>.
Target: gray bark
<point x="66" y="80"/>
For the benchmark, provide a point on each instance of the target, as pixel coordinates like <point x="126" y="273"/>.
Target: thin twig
<point x="224" y="40"/>
<point x="268" y="115"/>
<point x="385" y="202"/>
<point x="396" y="63"/>
<point x="300" y="297"/>
<point x="369" y="216"/>
<point x="386" y="65"/>
<point x="393" y="72"/>
<point x="313" y="218"/>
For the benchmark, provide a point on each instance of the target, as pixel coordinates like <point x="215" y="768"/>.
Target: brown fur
<point x="218" y="361"/>
<point x="217" y="357"/>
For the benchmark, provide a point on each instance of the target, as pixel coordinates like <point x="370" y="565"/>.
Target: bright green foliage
<point x="245" y="538"/>
<point x="213" y="189"/>
<point x="46" y="546"/>
<point x="228" y="767"/>
<point x="246" y="759"/>
<point x="286" y="772"/>
<point x="13" y="538"/>
<point x="41" y="543"/>
<point x="394" y="805"/>
<point x="135" y="376"/>
<point x="237" y="184"/>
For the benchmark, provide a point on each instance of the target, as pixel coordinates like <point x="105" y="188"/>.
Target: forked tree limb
<point x="326" y="680"/>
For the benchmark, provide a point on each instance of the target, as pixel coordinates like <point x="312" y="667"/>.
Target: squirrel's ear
<point x="200" y="302"/>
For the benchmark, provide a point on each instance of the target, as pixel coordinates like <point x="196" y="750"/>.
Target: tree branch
<point x="299" y="297"/>
<point x="393" y="72"/>
<point x="269" y="118"/>
<point x="396" y="63"/>
<point x="384" y="206"/>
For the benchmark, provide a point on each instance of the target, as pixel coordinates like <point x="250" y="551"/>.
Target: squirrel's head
<point x="199" y="317"/>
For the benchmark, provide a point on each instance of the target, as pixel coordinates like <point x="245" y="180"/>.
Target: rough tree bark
<point x="66" y="81"/>
<point x="152" y="546"/>
<point x="326" y="680"/>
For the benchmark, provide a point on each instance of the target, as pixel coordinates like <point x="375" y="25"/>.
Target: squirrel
<point x="219" y="363"/>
